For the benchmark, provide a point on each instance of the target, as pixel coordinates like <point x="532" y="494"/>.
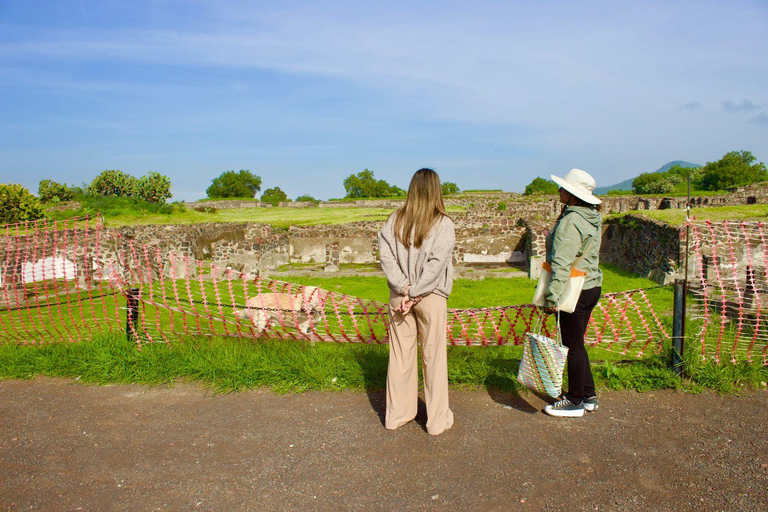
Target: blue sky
<point x="303" y="94"/>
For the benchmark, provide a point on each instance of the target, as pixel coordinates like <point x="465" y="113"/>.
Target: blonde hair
<point x="423" y="207"/>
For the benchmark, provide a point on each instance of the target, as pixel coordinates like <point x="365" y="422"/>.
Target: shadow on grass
<point x="373" y="363"/>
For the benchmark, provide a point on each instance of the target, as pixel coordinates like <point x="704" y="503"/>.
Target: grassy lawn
<point x="277" y="217"/>
<point x="122" y="211"/>
<point x="231" y="364"/>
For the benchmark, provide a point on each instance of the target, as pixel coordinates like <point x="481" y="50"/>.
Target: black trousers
<point x="573" y="327"/>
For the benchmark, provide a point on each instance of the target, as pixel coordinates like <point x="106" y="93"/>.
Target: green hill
<point x="627" y="184"/>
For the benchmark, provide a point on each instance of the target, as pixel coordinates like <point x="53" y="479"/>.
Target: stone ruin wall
<point x="643" y="246"/>
<point x="513" y="234"/>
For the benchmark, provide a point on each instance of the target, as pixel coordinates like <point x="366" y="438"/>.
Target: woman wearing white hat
<point x="577" y="234"/>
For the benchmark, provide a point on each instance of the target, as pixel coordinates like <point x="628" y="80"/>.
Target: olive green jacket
<point x="579" y="229"/>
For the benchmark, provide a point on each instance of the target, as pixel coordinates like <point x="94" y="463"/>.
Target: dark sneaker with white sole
<point x="565" y="409"/>
<point x="590" y="404"/>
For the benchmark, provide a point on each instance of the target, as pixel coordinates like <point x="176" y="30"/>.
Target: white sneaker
<point x="565" y="409"/>
<point x="590" y="404"/>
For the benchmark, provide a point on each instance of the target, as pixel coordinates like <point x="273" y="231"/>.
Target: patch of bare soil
<point x="66" y="446"/>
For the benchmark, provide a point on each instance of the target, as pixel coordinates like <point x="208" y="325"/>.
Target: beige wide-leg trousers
<point x="429" y="318"/>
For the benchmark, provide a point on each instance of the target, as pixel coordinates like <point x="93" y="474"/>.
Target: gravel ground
<point x="66" y="446"/>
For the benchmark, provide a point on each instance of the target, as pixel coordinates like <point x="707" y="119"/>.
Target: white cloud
<point x="580" y="82"/>
<point x="744" y="106"/>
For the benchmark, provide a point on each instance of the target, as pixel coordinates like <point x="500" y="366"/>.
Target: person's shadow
<point x="509" y="394"/>
<point x="374" y="366"/>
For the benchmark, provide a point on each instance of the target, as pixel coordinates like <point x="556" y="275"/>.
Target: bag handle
<point x="558" y="332"/>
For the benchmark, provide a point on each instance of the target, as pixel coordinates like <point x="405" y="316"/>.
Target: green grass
<point x="352" y="199"/>
<point x="121" y="211"/>
<point x="229" y="364"/>
<point x="719" y="213"/>
<point x="209" y="199"/>
<point x="489" y="292"/>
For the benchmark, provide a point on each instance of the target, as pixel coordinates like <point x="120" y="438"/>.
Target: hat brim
<point x="580" y="192"/>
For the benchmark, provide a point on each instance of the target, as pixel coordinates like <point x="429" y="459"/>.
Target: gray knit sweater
<point x="427" y="269"/>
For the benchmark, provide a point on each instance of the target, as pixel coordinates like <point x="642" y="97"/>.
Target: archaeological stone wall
<point x="643" y="246"/>
<point x="497" y="228"/>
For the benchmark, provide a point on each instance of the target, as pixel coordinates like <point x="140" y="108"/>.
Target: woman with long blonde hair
<point x="416" y="253"/>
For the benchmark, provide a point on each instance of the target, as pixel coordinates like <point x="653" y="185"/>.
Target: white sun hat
<point x="580" y="184"/>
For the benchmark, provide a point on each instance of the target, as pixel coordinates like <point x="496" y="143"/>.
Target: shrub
<point x="49" y="190"/>
<point x="274" y="196"/>
<point x="502" y="206"/>
<point x="113" y="183"/>
<point x="234" y="184"/>
<point x="652" y="183"/>
<point x="17" y="204"/>
<point x="154" y="188"/>
<point x="306" y="198"/>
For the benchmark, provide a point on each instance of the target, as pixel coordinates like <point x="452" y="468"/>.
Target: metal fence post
<point x="132" y="312"/>
<point x="678" y="327"/>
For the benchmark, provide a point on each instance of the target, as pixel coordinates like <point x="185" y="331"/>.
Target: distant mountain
<point x="627" y="185"/>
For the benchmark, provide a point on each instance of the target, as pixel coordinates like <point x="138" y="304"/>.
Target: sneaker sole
<point x="590" y="408"/>
<point x="565" y="414"/>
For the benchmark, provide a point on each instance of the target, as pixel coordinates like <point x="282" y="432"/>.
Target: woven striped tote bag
<point x="541" y="368"/>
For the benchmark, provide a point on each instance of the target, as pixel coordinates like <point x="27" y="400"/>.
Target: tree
<point x="363" y="184"/>
<point x="49" y="190"/>
<point x="680" y="174"/>
<point x="234" y="184"/>
<point x="652" y="183"/>
<point x="154" y="188"/>
<point x="274" y="196"/>
<point x="735" y="169"/>
<point x="113" y="183"/>
<point x="17" y="204"/>
<point x="306" y="198"/>
<point x="541" y="186"/>
<point x="450" y="188"/>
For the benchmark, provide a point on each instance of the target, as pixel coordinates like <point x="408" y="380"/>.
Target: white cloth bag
<point x="573" y="286"/>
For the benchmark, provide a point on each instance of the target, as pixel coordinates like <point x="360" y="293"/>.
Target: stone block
<point x="534" y="269"/>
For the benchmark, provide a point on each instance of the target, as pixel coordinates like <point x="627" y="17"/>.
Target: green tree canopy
<point x="234" y="184"/>
<point x="17" y="204"/>
<point x="653" y="183"/>
<point x="363" y="184"/>
<point x="306" y="198"/>
<point x="113" y="182"/>
<point x="736" y="168"/>
<point x="450" y="188"/>
<point x="541" y="186"/>
<point x="154" y="188"/>
<point x="274" y="196"/>
<point x="52" y="191"/>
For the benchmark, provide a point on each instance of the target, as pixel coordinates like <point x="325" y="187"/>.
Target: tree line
<point x="152" y="191"/>
<point x="363" y="185"/>
<point x="734" y="169"/>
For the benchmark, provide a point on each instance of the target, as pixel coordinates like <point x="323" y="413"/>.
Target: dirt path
<point x="65" y="446"/>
